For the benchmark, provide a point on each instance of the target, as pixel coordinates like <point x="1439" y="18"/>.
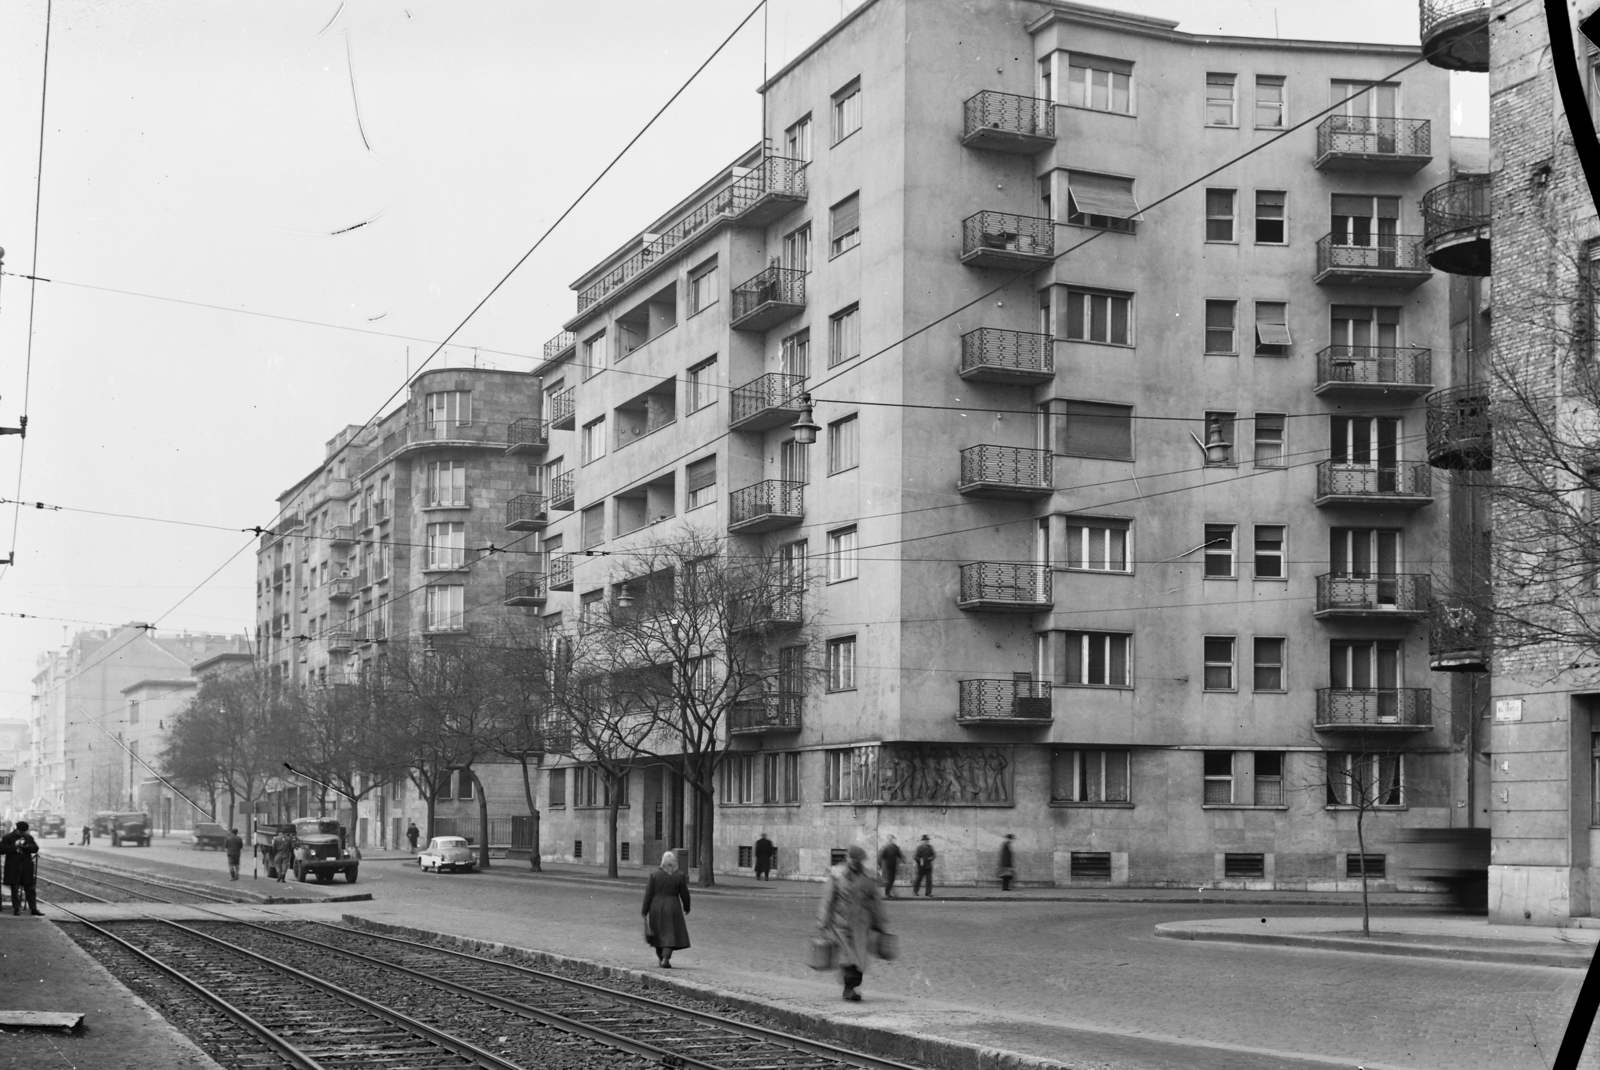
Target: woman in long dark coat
<point x="666" y="901"/>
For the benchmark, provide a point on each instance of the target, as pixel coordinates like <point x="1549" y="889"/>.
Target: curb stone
<point x="1379" y="946"/>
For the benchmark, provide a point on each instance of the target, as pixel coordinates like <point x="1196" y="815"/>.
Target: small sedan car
<point x="447" y="852"/>
<point x="208" y="834"/>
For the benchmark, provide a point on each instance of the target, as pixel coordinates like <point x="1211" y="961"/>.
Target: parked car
<point x="447" y="852"/>
<point x="208" y="834"/>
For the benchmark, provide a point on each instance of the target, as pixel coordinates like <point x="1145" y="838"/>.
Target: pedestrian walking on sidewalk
<point x="283" y="855"/>
<point x="411" y="835"/>
<point x="1007" y="863"/>
<point x="21" y="852"/>
<point x="666" y="902"/>
<point x="234" y="845"/>
<point x="923" y="857"/>
<point x="86" y="833"/>
<point x="766" y="852"/>
<point x="850" y="914"/>
<point x="889" y="860"/>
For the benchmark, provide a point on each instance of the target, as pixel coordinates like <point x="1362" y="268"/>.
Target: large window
<point x="844" y="335"/>
<point x="702" y="287"/>
<point x="1243" y="778"/>
<point x="1271" y="111"/>
<point x="1100" y="316"/>
<point x="1220" y="215"/>
<point x="594" y="354"/>
<point x="1271" y="213"/>
<point x="797" y="140"/>
<point x="447" y="545"/>
<point x="1221" y="327"/>
<point x="847" y="111"/>
<point x="448" y="408"/>
<point x="1090" y="776"/>
<point x="593" y="443"/>
<point x="739" y="779"/>
<point x="700" y="478"/>
<point x="1221" y="104"/>
<point x="842" y="663"/>
<point x="700" y="385"/>
<point x="1368" y="442"/>
<point x="1088" y="429"/>
<point x="1362" y="326"/>
<point x="1365" y="665"/>
<point x="842" y="554"/>
<point x="1365" y="780"/>
<point x="795" y="353"/>
<point x="447" y="483"/>
<point x="1096" y="544"/>
<point x="1366" y="221"/>
<point x="1096" y="659"/>
<point x="1105" y="202"/>
<point x="797" y="248"/>
<point x="1100" y="83"/>
<point x="844" y="444"/>
<point x="1219" y="662"/>
<point x="850" y="774"/>
<point x="446" y="607"/>
<point x="780" y="779"/>
<point x="844" y="225"/>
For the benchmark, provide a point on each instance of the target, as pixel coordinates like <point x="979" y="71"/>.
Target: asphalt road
<point x="1085" y="983"/>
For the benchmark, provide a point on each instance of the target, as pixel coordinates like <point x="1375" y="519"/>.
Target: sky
<point x="257" y="219"/>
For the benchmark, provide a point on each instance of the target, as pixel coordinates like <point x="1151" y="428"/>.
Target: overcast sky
<point x="209" y="153"/>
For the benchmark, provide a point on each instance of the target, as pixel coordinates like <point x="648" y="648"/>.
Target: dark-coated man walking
<point x="21" y="853"/>
<point x="766" y="852"/>
<point x="923" y="857"/>
<point x="1007" y="863"/>
<point x="889" y="860"/>
<point x="234" y="845"/>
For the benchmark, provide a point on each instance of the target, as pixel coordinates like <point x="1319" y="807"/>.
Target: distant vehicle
<point x="132" y="826"/>
<point x="319" y="849"/>
<point x="102" y="822"/>
<point x="1457" y="859"/>
<point x="208" y="834"/>
<point x="447" y="852"/>
<point x="53" y="825"/>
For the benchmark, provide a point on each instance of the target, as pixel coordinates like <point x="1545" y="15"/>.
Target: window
<point x="1219" y="551"/>
<point x="847" y="111"/>
<point x="594" y="525"/>
<point x="133" y="711"/>
<point x="448" y="408"/>
<point x="1594" y="778"/>
<point x="1367" y="442"/>
<point x="1097" y="316"/>
<point x="1219" y="215"/>
<point x="1095" y="544"/>
<point x="1360" y="220"/>
<point x="797" y="249"/>
<point x="442" y="789"/>
<point x="1364" y="99"/>
<point x="1272" y="329"/>
<point x="1218" y="768"/>
<point x="593" y="446"/>
<point x="797" y="140"/>
<point x="791" y="778"/>
<point x="1095" y="659"/>
<point x="1046" y="201"/>
<point x="445" y="607"/>
<point x="1220" y="100"/>
<point x="1269" y="440"/>
<point x="842" y="554"/>
<point x="701" y="480"/>
<point x="1270" y="113"/>
<point x="463" y="784"/>
<point x="1100" y="83"/>
<point x="1047" y="85"/>
<point x="1271" y="209"/>
<point x="1360" y="328"/>
<point x="397" y="790"/>
<point x="844" y="225"/>
<point x="844" y="444"/>
<point x="850" y="775"/>
<point x="1104" y="202"/>
<point x="1047" y="321"/>
<point x="844" y="335"/>
<point x="447" y="545"/>
<point x="780" y="778"/>
<point x="795" y="354"/>
<point x="1366" y="780"/>
<point x="794" y="461"/>
<point x="1368" y="665"/>
<point x="699" y="384"/>
<point x="447" y="483"/>
<point x="1088" y="429"/>
<point x="1268" y="778"/>
<point x="1268" y="664"/>
<point x="1089" y="776"/>
<point x="594" y="354"/>
<point x="1269" y="552"/>
<point x="738" y="779"/>
<point x="1220" y="323"/>
<point x="1219" y="662"/>
<point x="702" y="287"/>
<point x="842" y="663"/>
<point x="558" y="789"/>
<point x="1219" y="439"/>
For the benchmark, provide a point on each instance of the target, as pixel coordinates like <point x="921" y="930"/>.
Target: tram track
<point x="126" y="885"/>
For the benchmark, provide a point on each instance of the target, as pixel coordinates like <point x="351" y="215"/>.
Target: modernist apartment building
<point x="383" y="542"/>
<point x="1121" y="525"/>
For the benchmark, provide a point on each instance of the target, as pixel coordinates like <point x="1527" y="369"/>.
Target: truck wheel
<point x="350" y="875"/>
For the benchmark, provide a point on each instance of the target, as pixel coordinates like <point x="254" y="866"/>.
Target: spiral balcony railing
<point x="1374" y="369"/>
<point x="1006" y="472"/>
<point x="525" y="589"/>
<point x="1455" y="225"/>
<point x="561" y="572"/>
<point x="1003" y="240"/>
<point x="1005" y="587"/>
<point x="1394" y="595"/>
<point x="1005" y="122"/>
<point x="1404" y="485"/>
<point x="766" y="506"/>
<point x="564" y="410"/>
<point x="1455" y="34"/>
<point x="1460" y="433"/>
<point x="992" y="355"/>
<point x="526" y="512"/>
<point x="774" y="711"/>
<point x="1394" y="261"/>
<point x="1398" y="709"/>
<point x="767" y="401"/>
<point x="1373" y="143"/>
<point x="768" y="298"/>
<point x="1016" y="701"/>
<point x="527" y="435"/>
<point x="1458" y="637"/>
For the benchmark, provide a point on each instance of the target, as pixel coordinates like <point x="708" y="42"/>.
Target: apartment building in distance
<point x="1121" y="523"/>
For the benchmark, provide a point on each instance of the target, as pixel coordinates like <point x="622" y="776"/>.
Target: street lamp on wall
<point x="805" y="428"/>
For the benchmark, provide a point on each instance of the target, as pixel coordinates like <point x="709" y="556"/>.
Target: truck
<point x="132" y="826"/>
<point x="319" y="849"/>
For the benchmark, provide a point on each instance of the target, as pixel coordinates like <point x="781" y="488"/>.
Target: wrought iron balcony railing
<point x="773" y="711"/>
<point x="561" y="572"/>
<point x="526" y="512"/>
<point x="1393" y="709"/>
<point x="527" y="435"/>
<point x="1460" y="431"/>
<point x="1001" y="239"/>
<point x="559" y="344"/>
<point x="1371" y="142"/>
<point x="1005" y="122"/>
<point x="1401" y="483"/>
<point x="1001" y="356"/>
<point x="1402" y="594"/>
<point x="1455" y="222"/>
<point x="1001" y="586"/>
<point x="525" y="589"/>
<point x="1013" y="701"/>
<point x="1382" y="367"/>
<point x="1458" y="637"/>
<point x="767" y="401"/>
<point x="563" y="490"/>
<point x="1455" y="34"/>
<point x="772" y="503"/>
<point x="768" y="298"/>
<point x="1386" y="254"/>
<point x="563" y="409"/>
<point x="782" y="607"/>
<point x="774" y="187"/>
<point x="1006" y="472"/>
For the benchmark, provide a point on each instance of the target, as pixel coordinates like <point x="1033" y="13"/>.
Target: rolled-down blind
<point x="847" y="215"/>
<point x="1093" y="429"/>
<point x="702" y="473"/>
<point x="594" y="520"/>
<point x="1105" y="195"/>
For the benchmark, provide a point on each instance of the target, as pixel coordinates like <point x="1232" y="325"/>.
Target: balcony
<point x="342" y="589"/>
<point x="525" y="589"/>
<point x="341" y="641"/>
<point x="1458" y="638"/>
<point x="527" y="435"/>
<point x="767" y="401"/>
<point x="1374" y="370"/>
<point x="1455" y="34"/>
<point x="561" y="343"/>
<point x="1400" y="486"/>
<point x="1005" y="122"/>
<point x="561" y="572"/>
<point x="1455" y="225"/>
<point x="1014" y="358"/>
<point x="562" y="490"/>
<point x="1003" y="587"/>
<point x="1018" y="701"/>
<point x="1006" y="472"/>
<point x="1460" y="434"/>
<point x="766" y="506"/>
<point x="1399" y="595"/>
<point x="380" y="510"/>
<point x="341" y="535"/>
<point x="1374" y="144"/>
<point x="769" y="298"/>
<point x="775" y="711"/>
<point x="564" y="410"/>
<point x="1002" y="240"/>
<point x="783" y="607"/>
<point x="774" y="188"/>
<point x="1394" y="261"/>
<point x="526" y="512"/>
<point x="1395" y="709"/>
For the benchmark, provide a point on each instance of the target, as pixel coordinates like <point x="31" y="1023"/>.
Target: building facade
<point x="1121" y="525"/>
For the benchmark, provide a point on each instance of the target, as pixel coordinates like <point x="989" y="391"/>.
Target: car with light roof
<point x="447" y="852"/>
<point x="208" y="834"/>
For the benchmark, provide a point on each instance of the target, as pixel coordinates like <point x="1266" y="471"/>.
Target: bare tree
<point x="231" y="735"/>
<point x="336" y="741"/>
<point x="521" y="731"/>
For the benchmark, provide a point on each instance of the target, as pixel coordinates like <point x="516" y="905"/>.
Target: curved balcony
<point x="1004" y="587"/>
<point x="1455" y="34"/>
<point x="775" y="711"/>
<point x="1374" y="370"/>
<point x="1391" y="709"/>
<point x="1399" y="486"/>
<point x="525" y="589"/>
<point x="1017" y="358"/>
<point x="767" y="401"/>
<point x="1455" y="225"/>
<point x="1006" y="472"/>
<point x="1003" y="240"/>
<point x="1460" y="433"/>
<point x="526" y="512"/>
<point x="527" y="435"/>
<point x="1398" y="595"/>
<point x="1018" y="701"/>
<point x="768" y="298"/>
<point x="561" y="572"/>
<point x="1005" y="122"/>
<point x="1393" y="261"/>
<point x="766" y="506"/>
<point x="1372" y="143"/>
<point x="1458" y="638"/>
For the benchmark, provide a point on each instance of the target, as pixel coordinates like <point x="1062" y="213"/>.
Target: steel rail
<point x="71" y="865"/>
<point x="74" y="891"/>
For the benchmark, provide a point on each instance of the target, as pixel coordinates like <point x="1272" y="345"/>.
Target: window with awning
<point x="1104" y="201"/>
<point x="1272" y="329"/>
